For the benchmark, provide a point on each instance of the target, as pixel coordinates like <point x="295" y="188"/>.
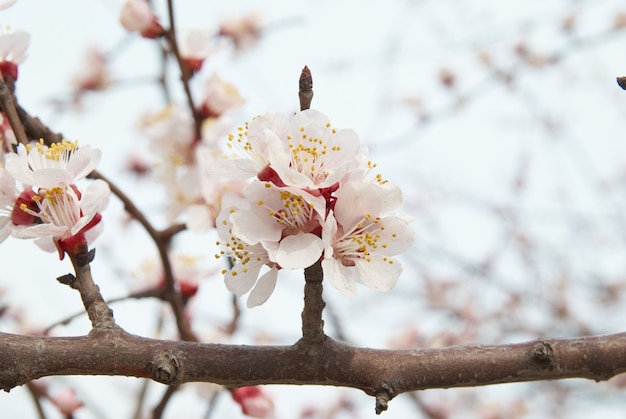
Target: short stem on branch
<point x="100" y="315"/>
<point x="312" y="323"/>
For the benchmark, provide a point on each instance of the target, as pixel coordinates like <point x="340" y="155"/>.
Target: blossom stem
<point x="185" y="72"/>
<point x="305" y="91"/>
<point x="8" y="106"/>
<point x="312" y="323"/>
<point x="100" y="315"/>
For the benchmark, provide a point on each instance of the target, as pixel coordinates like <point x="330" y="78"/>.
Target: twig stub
<point x="305" y="90"/>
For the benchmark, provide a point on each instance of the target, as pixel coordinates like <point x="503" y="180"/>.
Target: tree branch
<point x="100" y="315"/>
<point x="312" y="323"/>
<point x="380" y="373"/>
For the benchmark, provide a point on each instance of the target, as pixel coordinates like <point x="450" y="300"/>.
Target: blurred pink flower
<point x="195" y="46"/>
<point x="137" y="16"/>
<point x="13" y="46"/>
<point x="219" y="96"/>
<point x="254" y="401"/>
<point x="244" y="31"/>
<point x="4" y="4"/>
<point x="66" y="401"/>
<point x="94" y="75"/>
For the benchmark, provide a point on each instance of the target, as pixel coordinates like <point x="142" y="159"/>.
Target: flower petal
<point x="300" y="250"/>
<point x="341" y="277"/>
<point x="263" y="288"/>
<point x="379" y="273"/>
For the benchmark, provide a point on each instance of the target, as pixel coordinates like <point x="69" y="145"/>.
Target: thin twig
<point x="185" y="72"/>
<point x="7" y="102"/>
<point x="100" y="315"/>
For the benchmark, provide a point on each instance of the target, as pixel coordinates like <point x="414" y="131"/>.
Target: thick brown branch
<point x="381" y="373"/>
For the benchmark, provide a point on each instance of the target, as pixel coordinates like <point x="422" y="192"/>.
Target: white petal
<point x="83" y="161"/>
<point x="263" y="289"/>
<point x="354" y="201"/>
<point x="243" y="281"/>
<point x="96" y="196"/>
<point x="198" y="218"/>
<point x="397" y="236"/>
<point x="251" y="229"/>
<point x="49" y="178"/>
<point x="380" y="274"/>
<point x="299" y="250"/>
<point x="341" y="277"/>
<point x="17" y="166"/>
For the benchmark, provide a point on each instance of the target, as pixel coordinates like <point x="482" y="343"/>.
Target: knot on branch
<point x="383" y="395"/>
<point x="164" y="368"/>
<point x="543" y="354"/>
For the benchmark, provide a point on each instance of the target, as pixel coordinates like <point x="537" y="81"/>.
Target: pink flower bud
<point x="254" y="401"/>
<point x="66" y="401"/>
<point x="137" y="16"/>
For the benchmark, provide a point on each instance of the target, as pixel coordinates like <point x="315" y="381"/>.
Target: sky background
<point x="514" y="174"/>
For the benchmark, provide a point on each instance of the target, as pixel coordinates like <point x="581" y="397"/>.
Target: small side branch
<point x="7" y="102"/>
<point x="100" y="315"/>
<point x="312" y="323"/>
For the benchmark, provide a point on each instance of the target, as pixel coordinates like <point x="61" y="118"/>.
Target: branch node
<point x="383" y="395"/>
<point x="68" y="279"/>
<point x="543" y="354"/>
<point x="164" y="368"/>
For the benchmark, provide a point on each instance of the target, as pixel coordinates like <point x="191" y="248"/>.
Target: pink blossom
<point x="94" y="74"/>
<point x="137" y="16"/>
<point x="195" y="46"/>
<point x="247" y="259"/>
<point x="4" y="4"/>
<point x="254" y="401"/>
<point x="219" y="96"/>
<point x="13" y="46"/>
<point x="361" y="239"/>
<point x="60" y="164"/>
<point x="244" y="32"/>
<point x="66" y="401"/>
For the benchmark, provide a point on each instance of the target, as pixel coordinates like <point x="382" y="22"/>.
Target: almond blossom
<point x="219" y="96"/>
<point x="195" y="46"/>
<point x="137" y="16"/>
<point x="311" y="199"/>
<point x="6" y="4"/>
<point x="50" y="207"/>
<point x="301" y="150"/>
<point x="247" y="259"/>
<point x="8" y="195"/>
<point x="254" y="401"/>
<point x="61" y="218"/>
<point x="244" y="31"/>
<point x="60" y="164"/>
<point x="360" y="240"/>
<point x="13" y="46"/>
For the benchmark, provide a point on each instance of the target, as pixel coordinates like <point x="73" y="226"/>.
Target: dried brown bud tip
<point x="305" y="92"/>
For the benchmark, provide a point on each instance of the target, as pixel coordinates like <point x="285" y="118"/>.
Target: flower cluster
<point x="49" y="206"/>
<point x="312" y="197"/>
